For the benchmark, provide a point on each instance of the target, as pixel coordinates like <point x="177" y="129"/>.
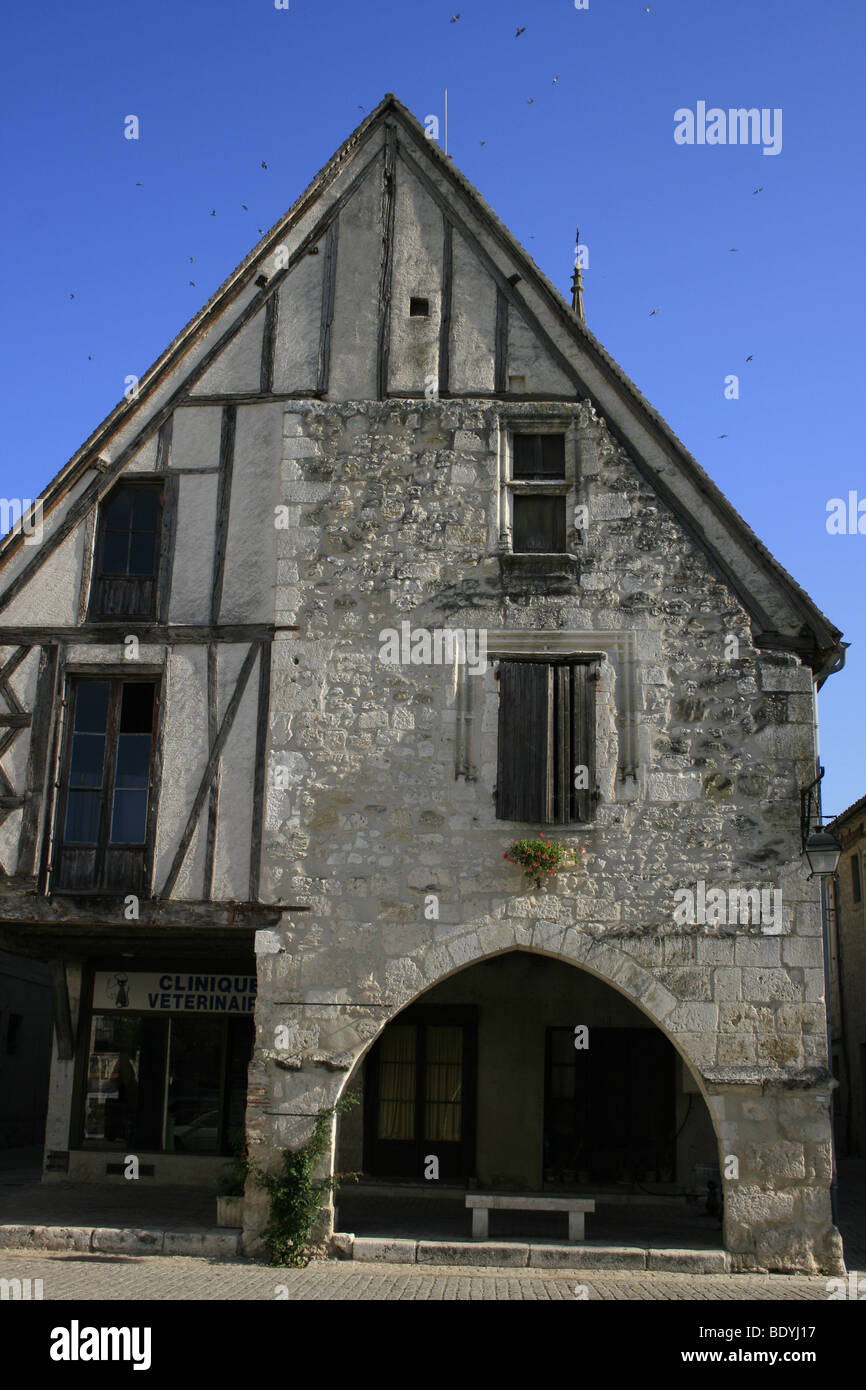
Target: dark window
<point x="538" y="456"/>
<point x="419" y="308"/>
<point x="127" y="552"/>
<point x="13" y="1030"/>
<point x="102" y="821"/>
<point x="546" y="766"/>
<point x="855" y="878"/>
<point x="609" y="1108"/>
<point x="539" y="524"/>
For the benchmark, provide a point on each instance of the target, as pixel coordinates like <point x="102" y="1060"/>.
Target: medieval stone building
<point x="387" y="566"/>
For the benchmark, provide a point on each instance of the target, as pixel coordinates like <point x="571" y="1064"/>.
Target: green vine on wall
<point x="296" y="1196"/>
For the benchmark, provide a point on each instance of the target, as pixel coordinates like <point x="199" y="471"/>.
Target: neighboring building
<point x="847" y="984"/>
<point x="25" y="1050"/>
<point x="256" y="777"/>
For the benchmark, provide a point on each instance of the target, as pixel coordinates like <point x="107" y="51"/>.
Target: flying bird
<point x="244" y="206"/>
<point x="138" y="185"/>
<point x="653" y="311"/>
<point x="555" y="80"/>
<point x="454" y="18"/>
<point x="520" y="31"/>
<point x="732" y="248"/>
<point x="213" y="214"/>
<point x="530" y="101"/>
<point x="757" y="190"/>
<point x="749" y="358"/>
<point x="482" y="142"/>
<point x="72" y="296"/>
<point x="192" y="282"/>
<point x="264" y="165"/>
<point x="191" y="259"/>
<point x="723" y="436"/>
<point x="90" y="359"/>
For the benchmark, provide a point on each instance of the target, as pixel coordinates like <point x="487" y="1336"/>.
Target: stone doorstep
<point x="519" y="1255"/>
<point x="219" y="1243"/>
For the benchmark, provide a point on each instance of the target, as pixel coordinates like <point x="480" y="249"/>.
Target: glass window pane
<point x="82" y="818"/>
<point x="118" y="511"/>
<point x="145" y="510"/>
<point x="86" y="762"/>
<point x="136" y="709"/>
<point x="129" y="818"/>
<point x="142" y="549"/>
<point x="539" y="525"/>
<point x="115" y="552"/>
<point x="397" y="1050"/>
<point x="91" y="707"/>
<point x="443" y="1110"/>
<point x="133" y="760"/>
<point x="195" y="1061"/>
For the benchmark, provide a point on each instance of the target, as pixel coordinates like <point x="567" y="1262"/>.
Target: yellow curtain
<point x="397" y="1052"/>
<point x="444" y="1083"/>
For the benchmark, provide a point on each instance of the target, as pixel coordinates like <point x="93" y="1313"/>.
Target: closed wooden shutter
<point x="524" y="784"/>
<point x="546" y="733"/>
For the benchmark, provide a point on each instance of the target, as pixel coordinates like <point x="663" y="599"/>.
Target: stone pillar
<point x="776" y="1162"/>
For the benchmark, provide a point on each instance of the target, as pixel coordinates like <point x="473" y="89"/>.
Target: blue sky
<point x="219" y="87"/>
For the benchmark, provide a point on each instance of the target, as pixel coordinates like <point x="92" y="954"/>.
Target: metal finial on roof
<point x="577" y="280"/>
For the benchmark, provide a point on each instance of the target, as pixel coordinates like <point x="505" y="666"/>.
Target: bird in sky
<point x="653" y="311"/>
<point x="213" y="214"/>
<point x="520" y="31"/>
<point x="723" y="436"/>
<point x="362" y="108"/>
<point x="191" y="259"/>
<point x="757" y="190"/>
<point x="192" y="282"/>
<point x="530" y="101"/>
<point x="749" y="358"/>
<point x="264" y="165"/>
<point x="244" y="206"/>
<point x="454" y="18"/>
<point x="732" y="248"/>
<point x="482" y="142"/>
<point x="72" y="296"/>
<point x="138" y="185"/>
<point x="555" y="80"/>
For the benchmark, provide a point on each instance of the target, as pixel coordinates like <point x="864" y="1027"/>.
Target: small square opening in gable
<point x="419" y="308"/>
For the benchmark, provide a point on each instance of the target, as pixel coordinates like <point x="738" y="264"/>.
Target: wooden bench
<point x="482" y="1203"/>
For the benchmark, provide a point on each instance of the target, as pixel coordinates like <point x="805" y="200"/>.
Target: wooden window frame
<point x="100" y="581"/>
<point x="567" y="705"/>
<point x="552" y="487"/>
<point x="139" y="880"/>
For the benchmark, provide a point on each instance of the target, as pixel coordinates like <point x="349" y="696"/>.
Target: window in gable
<point x="546" y="758"/>
<point x="538" y="493"/>
<point x="126" y="559"/>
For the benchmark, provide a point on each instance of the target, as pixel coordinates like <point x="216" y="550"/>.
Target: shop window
<point x="126" y="556"/>
<point x="101" y="841"/>
<point x="170" y="1084"/>
<point x="546" y="764"/>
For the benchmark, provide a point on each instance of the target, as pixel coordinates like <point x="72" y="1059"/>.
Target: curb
<point x="517" y="1255"/>
<point x="218" y="1243"/>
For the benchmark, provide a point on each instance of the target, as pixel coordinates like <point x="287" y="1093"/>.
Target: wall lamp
<point x="822" y="850"/>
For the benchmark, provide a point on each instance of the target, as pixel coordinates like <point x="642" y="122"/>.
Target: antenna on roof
<point x="577" y="278"/>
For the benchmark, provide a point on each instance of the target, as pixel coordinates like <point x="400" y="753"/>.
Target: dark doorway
<point x="420" y="1095"/>
<point x="609" y="1112"/>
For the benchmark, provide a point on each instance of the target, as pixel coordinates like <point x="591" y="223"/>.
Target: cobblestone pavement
<point x="117" y="1277"/>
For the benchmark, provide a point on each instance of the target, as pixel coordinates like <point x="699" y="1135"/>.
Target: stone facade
<point x="847" y="983"/>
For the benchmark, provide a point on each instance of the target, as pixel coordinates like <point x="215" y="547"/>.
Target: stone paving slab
<point x="70" y="1276"/>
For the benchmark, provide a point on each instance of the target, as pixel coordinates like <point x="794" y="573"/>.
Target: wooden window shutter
<point x="582" y="694"/>
<point x="524" y="784"/>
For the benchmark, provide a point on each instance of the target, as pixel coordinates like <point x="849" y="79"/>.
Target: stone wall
<point x="380" y="796"/>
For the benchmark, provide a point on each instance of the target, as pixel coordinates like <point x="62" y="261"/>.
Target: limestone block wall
<point x="381" y="788"/>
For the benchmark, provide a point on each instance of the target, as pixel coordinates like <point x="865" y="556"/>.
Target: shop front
<point x="161" y="1071"/>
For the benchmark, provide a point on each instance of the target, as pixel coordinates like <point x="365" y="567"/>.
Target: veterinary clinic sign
<point x="154" y="993"/>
